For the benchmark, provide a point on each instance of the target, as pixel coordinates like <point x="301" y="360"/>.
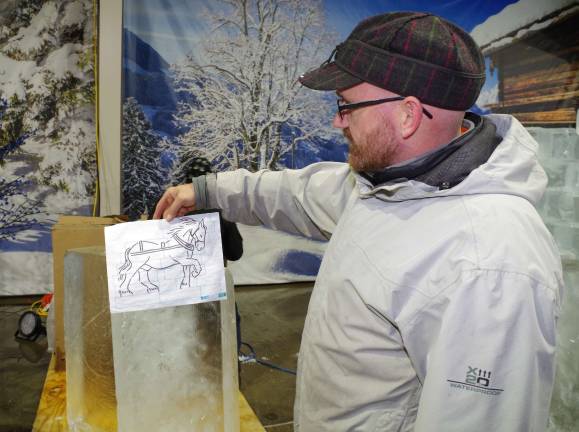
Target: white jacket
<point x="433" y="310"/>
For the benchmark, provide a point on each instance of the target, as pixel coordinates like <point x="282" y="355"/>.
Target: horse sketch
<point x="188" y="235"/>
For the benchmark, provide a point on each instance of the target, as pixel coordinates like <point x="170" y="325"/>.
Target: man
<point x="435" y="305"/>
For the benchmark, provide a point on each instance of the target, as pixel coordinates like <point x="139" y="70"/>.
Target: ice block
<point x="565" y="403"/>
<point x="90" y="381"/>
<point x="179" y="368"/>
<point x="175" y="368"/>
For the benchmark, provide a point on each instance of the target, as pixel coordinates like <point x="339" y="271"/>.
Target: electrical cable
<point x="41" y="306"/>
<point x="252" y="357"/>
<point x="39" y="309"/>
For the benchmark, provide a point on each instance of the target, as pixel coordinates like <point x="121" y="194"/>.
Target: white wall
<point x="109" y="105"/>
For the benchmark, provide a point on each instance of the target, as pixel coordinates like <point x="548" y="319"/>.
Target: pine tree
<point x="12" y="130"/>
<point x="48" y="133"/>
<point x="18" y="213"/>
<point x="143" y="176"/>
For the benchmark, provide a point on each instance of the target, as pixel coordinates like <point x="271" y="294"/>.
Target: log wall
<point x="539" y="75"/>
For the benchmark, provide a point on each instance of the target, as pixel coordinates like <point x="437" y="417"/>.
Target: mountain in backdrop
<point x="146" y="77"/>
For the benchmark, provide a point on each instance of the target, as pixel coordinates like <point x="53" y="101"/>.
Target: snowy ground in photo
<point x="265" y="256"/>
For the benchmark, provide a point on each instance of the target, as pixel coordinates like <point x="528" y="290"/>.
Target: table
<point x="51" y="413"/>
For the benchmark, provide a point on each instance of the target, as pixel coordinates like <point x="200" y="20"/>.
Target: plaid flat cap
<point x="410" y="54"/>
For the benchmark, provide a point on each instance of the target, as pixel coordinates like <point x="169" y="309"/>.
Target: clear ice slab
<point x="565" y="403"/>
<point x="174" y="368"/>
<point x="90" y="380"/>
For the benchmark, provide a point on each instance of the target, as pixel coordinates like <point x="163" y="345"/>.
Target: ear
<point x="411" y="116"/>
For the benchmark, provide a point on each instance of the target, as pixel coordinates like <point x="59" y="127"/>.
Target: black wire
<point x="274" y="366"/>
<point x="253" y="356"/>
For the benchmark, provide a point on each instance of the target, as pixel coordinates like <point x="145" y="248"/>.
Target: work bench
<point x="51" y="413"/>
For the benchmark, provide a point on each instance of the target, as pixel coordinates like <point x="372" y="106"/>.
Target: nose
<point x="339" y="122"/>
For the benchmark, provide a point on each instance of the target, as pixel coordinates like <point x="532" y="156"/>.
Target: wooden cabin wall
<point x="539" y="76"/>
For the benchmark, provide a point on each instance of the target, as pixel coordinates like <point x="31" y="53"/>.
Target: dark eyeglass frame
<point x="353" y="106"/>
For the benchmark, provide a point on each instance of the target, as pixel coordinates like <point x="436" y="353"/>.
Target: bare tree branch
<point x="249" y="109"/>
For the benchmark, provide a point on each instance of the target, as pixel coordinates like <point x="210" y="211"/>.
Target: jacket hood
<point x="512" y="169"/>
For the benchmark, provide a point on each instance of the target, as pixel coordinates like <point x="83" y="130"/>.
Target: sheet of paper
<point x="153" y="264"/>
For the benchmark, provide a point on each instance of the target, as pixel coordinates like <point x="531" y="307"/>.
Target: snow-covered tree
<point x="18" y="213"/>
<point x="248" y="108"/>
<point x="143" y="176"/>
<point x="46" y="68"/>
<point x="12" y="129"/>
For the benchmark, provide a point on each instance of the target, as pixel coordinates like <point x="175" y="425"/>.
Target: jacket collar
<point x="448" y="165"/>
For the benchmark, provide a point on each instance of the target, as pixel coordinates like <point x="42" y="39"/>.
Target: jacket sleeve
<point x="484" y="352"/>
<point x="305" y="202"/>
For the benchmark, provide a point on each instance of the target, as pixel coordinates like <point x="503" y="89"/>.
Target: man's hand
<point x="176" y="201"/>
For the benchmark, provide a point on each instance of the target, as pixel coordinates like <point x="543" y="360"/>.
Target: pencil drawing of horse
<point x="143" y="256"/>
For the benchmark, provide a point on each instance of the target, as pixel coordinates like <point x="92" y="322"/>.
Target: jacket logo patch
<point x="477" y="380"/>
<point x="483" y="377"/>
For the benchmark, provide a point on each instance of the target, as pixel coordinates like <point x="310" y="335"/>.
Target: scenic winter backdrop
<point x="233" y="99"/>
<point x="47" y="132"/>
<point x="220" y="81"/>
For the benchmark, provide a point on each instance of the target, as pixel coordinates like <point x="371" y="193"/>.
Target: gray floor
<point x="22" y="369"/>
<point x="272" y="318"/>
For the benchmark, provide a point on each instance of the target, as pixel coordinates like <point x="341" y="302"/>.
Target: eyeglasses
<point x="352" y="106"/>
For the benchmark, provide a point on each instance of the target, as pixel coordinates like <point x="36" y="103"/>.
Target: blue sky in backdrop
<point x="173" y="27"/>
<point x="343" y="14"/>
